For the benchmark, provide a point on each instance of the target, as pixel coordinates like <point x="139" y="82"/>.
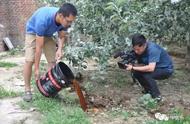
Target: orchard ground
<point x="112" y="97"/>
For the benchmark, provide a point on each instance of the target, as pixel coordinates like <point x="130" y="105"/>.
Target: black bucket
<point x="60" y="76"/>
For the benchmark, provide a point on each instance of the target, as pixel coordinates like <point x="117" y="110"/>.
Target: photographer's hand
<point x="129" y="67"/>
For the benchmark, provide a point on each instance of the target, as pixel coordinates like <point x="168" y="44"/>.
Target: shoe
<point x="158" y="99"/>
<point x="27" y="96"/>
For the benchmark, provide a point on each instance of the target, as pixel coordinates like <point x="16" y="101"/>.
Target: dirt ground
<point x="112" y="97"/>
<point x="117" y="90"/>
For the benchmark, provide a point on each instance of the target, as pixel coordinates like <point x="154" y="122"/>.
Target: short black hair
<point x="138" y="39"/>
<point x="66" y="9"/>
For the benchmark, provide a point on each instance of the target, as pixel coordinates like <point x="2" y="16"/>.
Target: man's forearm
<point x="146" y="68"/>
<point x="141" y="68"/>
<point x="61" y="43"/>
<point x="62" y="37"/>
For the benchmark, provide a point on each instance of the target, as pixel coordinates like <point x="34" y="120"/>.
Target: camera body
<point x="128" y="57"/>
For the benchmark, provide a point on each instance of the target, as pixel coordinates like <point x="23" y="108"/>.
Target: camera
<point x="128" y="57"/>
<point x="121" y="65"/>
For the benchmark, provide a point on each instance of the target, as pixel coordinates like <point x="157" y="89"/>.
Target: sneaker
<point x="158" y="99"/>
<point x="27" y="96"/>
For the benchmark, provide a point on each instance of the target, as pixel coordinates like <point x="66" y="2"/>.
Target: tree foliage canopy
<point x="104" y="26"/>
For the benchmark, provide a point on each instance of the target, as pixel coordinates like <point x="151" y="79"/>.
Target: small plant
<point x="7" y="64"/>
<point x="147" y="102"/>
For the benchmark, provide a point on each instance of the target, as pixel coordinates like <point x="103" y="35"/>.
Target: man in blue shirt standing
<point x="157" y="65"/>
<point x="39" y="31"/>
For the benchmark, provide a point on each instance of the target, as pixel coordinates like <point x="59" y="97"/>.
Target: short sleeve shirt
<point x="42" y="22"/>
<point x="155" y="53"/>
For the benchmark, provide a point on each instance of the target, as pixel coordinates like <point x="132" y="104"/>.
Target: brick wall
<point x="13" y="15"/>
<point x="2" y="34"/>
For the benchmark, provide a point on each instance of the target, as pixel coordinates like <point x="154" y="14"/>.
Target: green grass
<point x="66" y="115"/>
<point x="58" y="111"/>
<point x="7" y="64"/>
<point x="6" y="93"/>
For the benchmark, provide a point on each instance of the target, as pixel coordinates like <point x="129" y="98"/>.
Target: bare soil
<point x="117" y="91"/>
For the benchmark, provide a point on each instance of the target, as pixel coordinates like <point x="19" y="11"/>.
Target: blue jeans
<point x="147" y="79"/>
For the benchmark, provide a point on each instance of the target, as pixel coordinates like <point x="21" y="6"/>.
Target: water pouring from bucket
<point x="57" y="78"/>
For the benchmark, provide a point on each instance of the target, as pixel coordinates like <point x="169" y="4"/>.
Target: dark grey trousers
<point x="148" y="80"/>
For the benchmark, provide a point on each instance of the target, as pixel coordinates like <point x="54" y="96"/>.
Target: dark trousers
<point x="147" y="80"/>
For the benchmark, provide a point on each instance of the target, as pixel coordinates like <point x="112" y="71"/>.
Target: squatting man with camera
<point x="155" y="63"/>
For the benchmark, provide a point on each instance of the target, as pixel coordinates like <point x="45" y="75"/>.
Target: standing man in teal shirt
<point x="39" y="31"/>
